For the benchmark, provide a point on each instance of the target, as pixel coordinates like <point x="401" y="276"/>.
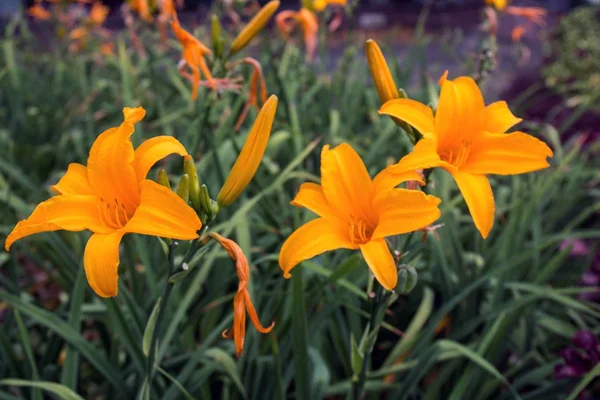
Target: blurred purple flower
<point x="591" y="279"/>
<point x="579" y="247"/>
<point x="580" y="360"/>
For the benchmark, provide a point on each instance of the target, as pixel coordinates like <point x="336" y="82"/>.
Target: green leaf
<point x="61" y="391"/>
<point x="149" y="331"/>
<point x="229" y="367"/>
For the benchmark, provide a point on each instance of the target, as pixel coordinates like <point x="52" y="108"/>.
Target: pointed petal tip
<point x="443" y="78"/>
<point x="133" y="114"/>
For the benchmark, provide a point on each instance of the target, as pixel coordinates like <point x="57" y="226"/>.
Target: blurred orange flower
<point x="193" y="56"/>
<point x="241" y="302"/>
<point x="287" y="20"/>
<point x="142" y="8"/>
<point x="39" y="12"/>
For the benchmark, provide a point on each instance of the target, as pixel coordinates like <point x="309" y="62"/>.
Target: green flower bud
<point x="194" y="186"/>
<point x="407" y="279"/>
<point x="163" y="178"/>
<point x="183" y="188"/>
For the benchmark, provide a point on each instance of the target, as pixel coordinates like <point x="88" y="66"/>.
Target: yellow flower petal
<point x="68" y="212"/>
<point x="413" y="113"/>
<point x="382" y="77"/>
<point x="402" y="211"/>
<point x="101" y="263"/>
<point x="251" y="155"/>
<point x="256" y="24"/>
<point x="507" y="154"/>
<point x="381" y="263"/>
<point x="347" y="184"/>
<point x="459" y="115"/>
<point x="423" y="156"/>
<point x="153" y="150"/>
<point x="75" y="181"/>
<point x="109" y="165"/>
<point x="163" y="213"/>
<point x="498" y="118"/>
<point x="478" y="195"/>
<point x="311" y="239"/>
<point x="311" y="196"/>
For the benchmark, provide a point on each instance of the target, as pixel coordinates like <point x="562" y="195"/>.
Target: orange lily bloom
<point x="39" y="12"/>
<point x="193" y="56"/>
<point x="320" y="5"/>
<point x="111" y="197"/>
<point x="517" y="33"/>
<point x="241" y="302"/>
<point x="356" y="212"/>
<point x="98" y="14"/>
<point x="467" y="139"/>
<point x="256" y="78"/>
<point x="287" y="20"/>
<point x="498" y="4"/>
<point x="167" y="9"/>
<point x="533" y="14"/>
<point x="142" y="8"/>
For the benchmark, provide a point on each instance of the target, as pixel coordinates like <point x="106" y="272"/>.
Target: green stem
<point x="161" y="313"/>
<point x="378" y="307"/>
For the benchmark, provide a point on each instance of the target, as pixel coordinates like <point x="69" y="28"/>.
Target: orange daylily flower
<point x="193" y="56"/>
<point x="356" y="212"/>
<point x="167" y="9"/>
<point x="111" y="198"/>
<point x="39" y="12"/>
<point x="467" y="139"/>
<point x="142" y="8"/>
<point x="287" y="20"/>
<point x="498" y="4"/>
<point x="241" y="302"/>
<point x="94" y="20"/>
<point x="320" y="5"/>
<point x="517" y="33"/>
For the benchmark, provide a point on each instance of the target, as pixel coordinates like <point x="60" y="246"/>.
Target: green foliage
<point x="575" y="57"/>
<point x="486" y="319"/>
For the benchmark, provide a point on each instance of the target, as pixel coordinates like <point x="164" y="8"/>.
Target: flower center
<point x="360" y="231"/>
<point x="457" y="155"/>
<point x="112" y="214"/>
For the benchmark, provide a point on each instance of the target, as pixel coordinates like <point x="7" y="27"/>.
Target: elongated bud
<point x="189" y="167"/>
<point x="407" y="279"/>
<point x="163" y="178"/>
<point x="249" y="159"/>
<point x="217" y="39"/>
<point x="255" y="25"/>
<point x="183" y="188"/>
<point x="384" y="83"/>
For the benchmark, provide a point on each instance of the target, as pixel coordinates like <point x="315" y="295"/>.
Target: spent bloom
<point x="356" y="212"/>
<point x="288" y="20"/>
<point x="467" y="139"/>
<point x="112" y="197"/>
<point x="242" y="303"/>
<point x="193" y="56"/>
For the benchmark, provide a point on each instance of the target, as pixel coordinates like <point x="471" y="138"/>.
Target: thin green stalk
<point x="378" y="307"/>
<point x="165" y="300"/>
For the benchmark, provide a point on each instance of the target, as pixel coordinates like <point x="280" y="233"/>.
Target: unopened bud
<point x="163" y="178"/>
<point x="217" y="39"/>
<point x="189" y="168"/>
<point x="183" y="188"/>
<point x="255" y="25"/>
<point x="407" y="279"/>
<point x="208" y="206"/>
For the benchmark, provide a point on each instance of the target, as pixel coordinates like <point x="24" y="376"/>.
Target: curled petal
<point x="311" y="196"/>
<point x="153" y="150"/>
<point x="75" y="181"/>
<point x="402" y="211"/>
<point x="68" y="212"/>
<point x="507" y="154"/>
<point x="311" y="239"/>
<point x="163" y="213"/>
<point x="254" y="317"/>
<point x="498" y="118"/>
<point x="381" y="262"/>
<point x="346" y="182"/>
<point x="101" y="262"/>
<point x="478" y="195"/>
<point x="413" y="113"/>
